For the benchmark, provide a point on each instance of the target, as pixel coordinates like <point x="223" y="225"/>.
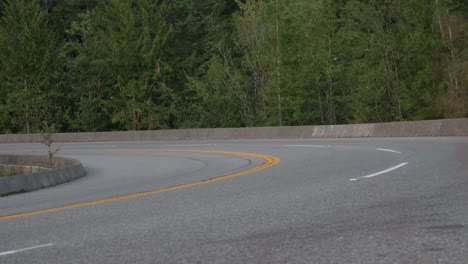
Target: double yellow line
<point x="269" y="162"/>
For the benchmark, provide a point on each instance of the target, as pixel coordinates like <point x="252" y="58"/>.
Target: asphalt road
<point x="327" y="201"/>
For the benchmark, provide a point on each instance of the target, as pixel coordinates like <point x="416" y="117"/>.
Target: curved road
<point x="271" y="201"/>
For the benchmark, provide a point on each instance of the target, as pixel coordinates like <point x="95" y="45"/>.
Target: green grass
<point x="12" y="170"/>
<point x="4" y="174"/>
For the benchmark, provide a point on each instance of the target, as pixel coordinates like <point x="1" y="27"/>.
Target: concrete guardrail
<point x="430" y="128"/>
<point x="64" y="170"/>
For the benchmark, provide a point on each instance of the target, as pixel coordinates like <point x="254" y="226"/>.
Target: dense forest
<point x="103" y="65"/>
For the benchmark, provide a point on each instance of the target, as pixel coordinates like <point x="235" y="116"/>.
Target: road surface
<point x="255" y="201"/>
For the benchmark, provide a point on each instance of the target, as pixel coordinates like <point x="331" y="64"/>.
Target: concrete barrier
<point x="430" y="128"/>
<point x="408" y="129"/>
<point x="453" y="127"/>
<point x="64" y="170"/>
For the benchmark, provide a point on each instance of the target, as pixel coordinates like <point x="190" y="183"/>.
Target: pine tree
<point x="122" y="42"/>
<point x="29" y="63"/>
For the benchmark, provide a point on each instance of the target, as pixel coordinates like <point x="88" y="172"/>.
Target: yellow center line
<point x="269" y="162"/>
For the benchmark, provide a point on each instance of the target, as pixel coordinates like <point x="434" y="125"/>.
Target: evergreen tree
<point x="120" y="51"/>
<point x="30" y="67"/>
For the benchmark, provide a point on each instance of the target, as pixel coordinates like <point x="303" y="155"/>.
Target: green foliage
<point x="201" y="27"/>
<point x="119" y="49"/>
<point x="88" y="65"/>
<point x="30" y="63"/>
<point x="394" y="77"/>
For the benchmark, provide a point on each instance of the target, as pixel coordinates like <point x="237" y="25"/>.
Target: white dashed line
<point x="312" y="146"/>
<point x="380" y="172"/>
<point x="190" y="145"/>
<point x="24" y="249"/>
<point x="389" y="150"/>
<point x="88" y="146"/>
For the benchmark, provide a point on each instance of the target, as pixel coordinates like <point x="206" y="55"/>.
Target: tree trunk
<point x="28" y="129"/>
<point x="331" y="111"/>
<point x="278" y="62"/>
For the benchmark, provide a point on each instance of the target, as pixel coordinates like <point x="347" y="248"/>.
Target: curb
<point x="67" y="170"/>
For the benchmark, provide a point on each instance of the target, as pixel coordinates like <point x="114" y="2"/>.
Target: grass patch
<point x="6" y="174"/>
<point x="12" y="170"/>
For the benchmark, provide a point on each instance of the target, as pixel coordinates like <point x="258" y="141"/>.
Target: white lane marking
<point x="88" y="146"/>
<point x="312" y="146"/>
<point x="389" y="150"/>
<point x="25" y="249"/>
<point x="380" y="172"/>
<point x="190" y="145"/>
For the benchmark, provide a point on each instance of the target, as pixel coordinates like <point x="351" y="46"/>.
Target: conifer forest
<point x="112" y="65"/>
